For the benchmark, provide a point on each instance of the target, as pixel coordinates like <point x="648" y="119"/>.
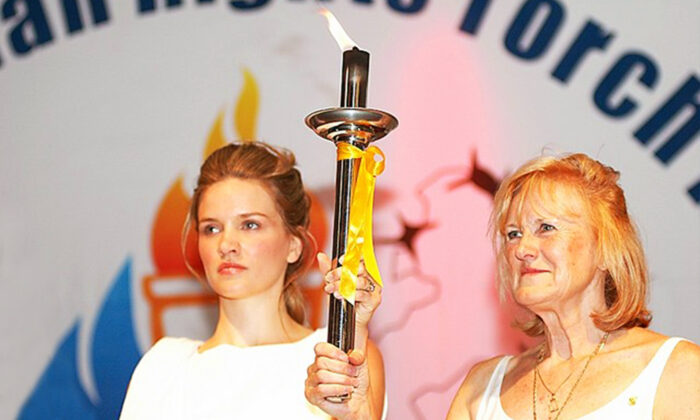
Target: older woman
<point x="569" y="254"/>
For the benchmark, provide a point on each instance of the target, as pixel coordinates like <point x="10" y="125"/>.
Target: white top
<point x="635" y="402"/>
<point x="173" y="381"/>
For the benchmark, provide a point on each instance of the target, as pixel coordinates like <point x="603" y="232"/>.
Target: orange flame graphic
<point x="167" y="230"/>
<point x="216" y="136"/>
<point x="247" y="108"/>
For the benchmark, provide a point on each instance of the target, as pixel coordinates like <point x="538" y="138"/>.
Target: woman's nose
<point x="527" y="248"/>
<point x="229" y="243"/>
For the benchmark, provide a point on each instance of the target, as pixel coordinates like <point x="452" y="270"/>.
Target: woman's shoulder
<point x="168" y="351"/>
<point x="480" y="374"/>
<point x="685" y="360"/>
<point x="164" y="359"/>
<point x="683" y="356"/>
<point x="642" y="339"/>
<point x="153" y="374"/>
<point x="472" y="388"/>
<point x="679" y="382"/>
<point x="175" y="346"/>
<point x="683" y="365"/>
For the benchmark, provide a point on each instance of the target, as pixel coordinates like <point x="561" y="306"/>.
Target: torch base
<point x="361" y="125"/>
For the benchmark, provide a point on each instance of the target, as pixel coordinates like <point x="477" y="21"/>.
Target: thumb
<point x="324" y="262"/>
<point x="356" y="357"/>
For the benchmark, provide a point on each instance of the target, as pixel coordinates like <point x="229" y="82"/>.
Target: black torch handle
<point x="341" y="313"/>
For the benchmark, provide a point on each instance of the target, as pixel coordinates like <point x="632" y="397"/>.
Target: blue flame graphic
<point x="59" y="394"/>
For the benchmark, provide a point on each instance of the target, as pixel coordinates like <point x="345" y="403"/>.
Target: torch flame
<point x="341" y="37"/>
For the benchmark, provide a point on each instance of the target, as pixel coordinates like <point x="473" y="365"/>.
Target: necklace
<point x="553" y="405"/>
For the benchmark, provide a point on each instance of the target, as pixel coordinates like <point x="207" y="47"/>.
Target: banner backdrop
<point x="108" y="108"/>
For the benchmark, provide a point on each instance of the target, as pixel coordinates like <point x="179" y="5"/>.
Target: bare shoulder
<point x="686" y="350"/>
<point x="469" y="394"/>
<point x="637" y="337"/>
<point x="679" y="382"/>
<point x="684" y="363"/>
<point x="635" y="346"/>
<point x="168" y="352"/>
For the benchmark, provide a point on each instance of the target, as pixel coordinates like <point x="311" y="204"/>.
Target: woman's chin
<point x="228" y="289"/>
<point x="533" y="296"/>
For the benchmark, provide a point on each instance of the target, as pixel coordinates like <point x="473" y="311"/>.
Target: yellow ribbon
<point x="359" y="239"/>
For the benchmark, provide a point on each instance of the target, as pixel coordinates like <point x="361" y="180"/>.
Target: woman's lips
<point x="230" y="268"/>
<point x="530" y="270"/>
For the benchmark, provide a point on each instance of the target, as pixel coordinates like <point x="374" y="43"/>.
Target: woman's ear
<point x="295" y="249"/>
<point x="601" y="265"/>
<point x="600" y="260"/>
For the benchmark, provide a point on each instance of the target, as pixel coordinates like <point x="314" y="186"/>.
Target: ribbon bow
<point x="359" y="240"/>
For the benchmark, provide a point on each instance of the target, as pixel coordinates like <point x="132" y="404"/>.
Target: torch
<point x="351" y="127"/>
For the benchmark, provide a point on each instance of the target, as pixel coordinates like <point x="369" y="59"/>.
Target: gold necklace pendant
<point x="553" y="407"/>
<point x="553" y="404"/>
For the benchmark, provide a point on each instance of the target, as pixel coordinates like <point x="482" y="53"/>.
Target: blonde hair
<point x="618" y="246"/>
<point x="274" y="167"/>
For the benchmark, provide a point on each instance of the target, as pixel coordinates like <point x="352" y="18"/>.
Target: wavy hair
<point x="618" y="245"/>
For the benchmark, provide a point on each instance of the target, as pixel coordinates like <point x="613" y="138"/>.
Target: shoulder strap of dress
<point x="663" y="353"/>
<point x="499" y="373"/>
<point x="490" y="399"/>
<point x="657" y="364"/>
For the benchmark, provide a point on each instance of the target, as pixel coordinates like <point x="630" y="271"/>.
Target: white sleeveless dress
<point x="174" y="381"/>
<point x="635" y="402"/>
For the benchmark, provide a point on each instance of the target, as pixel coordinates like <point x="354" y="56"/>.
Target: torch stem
<point x="353" y="94"/>
<point x="341" y="313"/>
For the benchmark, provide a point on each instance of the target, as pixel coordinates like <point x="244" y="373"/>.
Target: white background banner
<point x="108" y="107"/>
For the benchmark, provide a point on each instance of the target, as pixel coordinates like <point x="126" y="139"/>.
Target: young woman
<point x="251" y="216"/>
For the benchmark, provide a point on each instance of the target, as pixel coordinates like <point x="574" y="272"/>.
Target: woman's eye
<point x="250" y="225"/>
<point x="210" y="229"/>
<point x="513" y="234"/>
<point x="545" y="227"/>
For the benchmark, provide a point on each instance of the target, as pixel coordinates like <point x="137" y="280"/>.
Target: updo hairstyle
<point x="275" y="169"/>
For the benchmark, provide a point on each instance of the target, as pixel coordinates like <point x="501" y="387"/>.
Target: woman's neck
<point x="569" y="328"/>
<point x="568" y="338"/>
<point x="253" y="322"/>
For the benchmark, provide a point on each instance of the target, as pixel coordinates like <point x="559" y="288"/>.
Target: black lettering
<point x="591" y="37"/>
<point x="686" y="97"/>
<point x="248" y="4"/>
<point x="616" y="76"/>
<point x="410" y="6"/>
<point x="146" y="6"/>
<point x="474" y="16"/>
<point x="32" y="30"/>
<point x="74" y="18"/>
<point x="694" y="192"/>
<point x="545" y="34"/>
